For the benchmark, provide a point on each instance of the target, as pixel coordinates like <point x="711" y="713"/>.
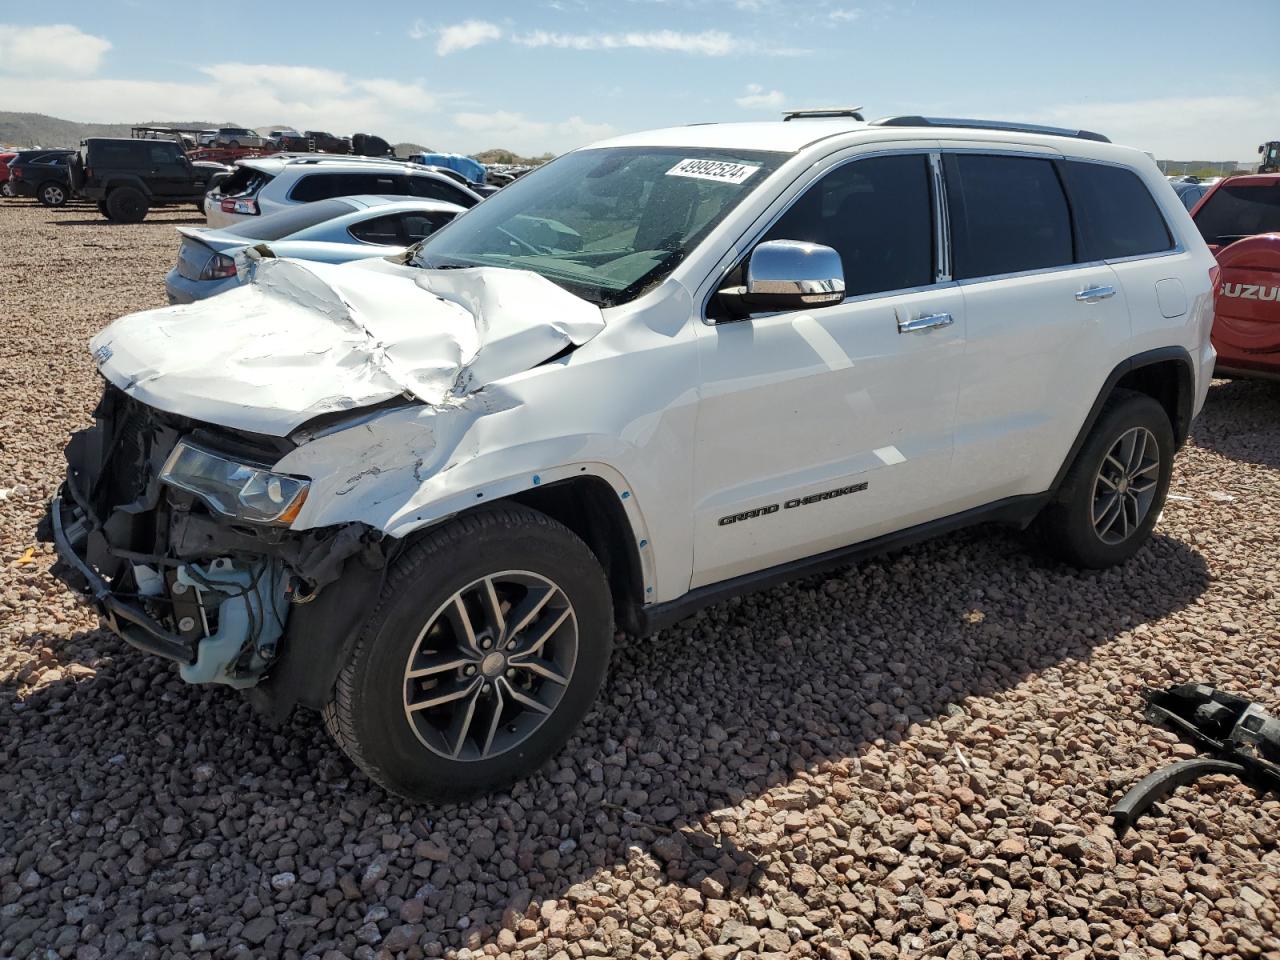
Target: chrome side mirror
<point x="787" y="275"/>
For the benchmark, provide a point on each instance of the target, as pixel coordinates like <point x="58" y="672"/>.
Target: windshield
<point x="1239" y="211"/>
<point x="605" y="224"/>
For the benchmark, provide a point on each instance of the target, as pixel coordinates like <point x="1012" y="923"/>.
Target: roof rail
<point x="853" y="113"/>
<point x="915" y="121"/>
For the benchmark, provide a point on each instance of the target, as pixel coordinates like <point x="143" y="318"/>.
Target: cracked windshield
<point x="605" y="224"/>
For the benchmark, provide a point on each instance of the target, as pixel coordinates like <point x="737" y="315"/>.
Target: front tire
<point x="488" y="645"/>
<point x="1116" y="487"/>
<point x="53" y="194"/>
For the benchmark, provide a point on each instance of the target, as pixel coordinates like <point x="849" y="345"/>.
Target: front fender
<point x="415" y="466"/>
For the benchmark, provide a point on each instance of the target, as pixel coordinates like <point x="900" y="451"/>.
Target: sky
<point x="550" y="75"/>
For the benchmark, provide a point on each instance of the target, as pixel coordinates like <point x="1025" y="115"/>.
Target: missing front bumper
<point x="128" y="620"/>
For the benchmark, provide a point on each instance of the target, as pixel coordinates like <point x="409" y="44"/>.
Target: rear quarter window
<point x="1116" y="216"/>
<point x="1008" y="215"/>
<point x="437" y="188"/>
<point x="119" y="154"/>
<point x="322" y="186"/>
<point x="291" y="220"/>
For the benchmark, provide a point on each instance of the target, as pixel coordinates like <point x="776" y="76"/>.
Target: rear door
<point x="820" y="428"/>
<point x="1040" y="325"/>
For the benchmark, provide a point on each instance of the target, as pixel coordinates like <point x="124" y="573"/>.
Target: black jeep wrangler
<point x="128" y="177"/>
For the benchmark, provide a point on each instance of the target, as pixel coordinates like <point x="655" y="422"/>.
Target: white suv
<point x="421" y="494"/>
<point x="265" y="185"/>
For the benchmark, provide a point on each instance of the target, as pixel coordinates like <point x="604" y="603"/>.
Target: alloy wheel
<point x="490" y="665"/>
<point x="1125" y="485"/>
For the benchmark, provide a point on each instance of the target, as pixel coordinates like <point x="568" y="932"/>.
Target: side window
<point x="1008" y="214"/>
<point x="379" y="184"/>
<point x="384" y="230"/>
<point x="1115" y="214"/>
<point x="314" y="187"/>
<point x="322" y="186"/>
<point x="163" y="153"/>
<point x="877" y="214"/>
<point x="432" y="188"/>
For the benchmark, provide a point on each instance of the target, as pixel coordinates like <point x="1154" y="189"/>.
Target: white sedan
<point x="337" y="230"/>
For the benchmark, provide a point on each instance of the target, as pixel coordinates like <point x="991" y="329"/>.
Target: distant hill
<point x="498" y="155"/>
<point x="36" y="129"/>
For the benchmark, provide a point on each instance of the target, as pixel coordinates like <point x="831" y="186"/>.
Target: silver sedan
<point x="337" y="230"/>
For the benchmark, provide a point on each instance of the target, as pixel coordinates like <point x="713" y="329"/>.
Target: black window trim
<point x="941" y="232"/>
<point x="1053" y="159"/>
<point x="1174" y="237"/>
<point x="400" y="228"/>
<point x="942" y="225"/>
<point x="1056" y="158"/>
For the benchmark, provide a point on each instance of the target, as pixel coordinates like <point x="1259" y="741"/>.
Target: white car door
<point x="1041" y="326"/>
<point x="824" y="427"/>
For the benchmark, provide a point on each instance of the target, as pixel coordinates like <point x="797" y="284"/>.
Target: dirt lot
<point x="913" y="757"/>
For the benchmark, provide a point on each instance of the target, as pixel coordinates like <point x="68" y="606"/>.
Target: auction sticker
<point x="722" y="171"/>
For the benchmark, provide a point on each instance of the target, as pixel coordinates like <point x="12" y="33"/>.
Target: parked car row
<point x="336" y="230"/>
<point x="265" y="185"/>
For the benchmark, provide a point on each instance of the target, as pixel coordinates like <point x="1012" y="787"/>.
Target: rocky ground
<point x="913" y="757"/>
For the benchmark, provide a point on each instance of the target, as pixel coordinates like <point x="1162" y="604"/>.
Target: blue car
<point x="337" y="230"/>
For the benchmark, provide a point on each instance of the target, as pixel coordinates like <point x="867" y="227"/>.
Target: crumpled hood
<point x="302" y="339"/>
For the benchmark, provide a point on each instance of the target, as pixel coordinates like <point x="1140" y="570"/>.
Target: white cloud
<point x="517" y="132"/>
<point x="418" y="30"/>
<point x="249" y="94"/>
<point x="464" y="36"/>
<point x="757" y="99"/>
<point x="59" y="49"/>
<point x="844" y="15"/>
<point x="1227" y="127"/>
<point x="710" y="43"/>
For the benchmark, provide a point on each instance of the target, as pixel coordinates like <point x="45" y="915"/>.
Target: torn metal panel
<point x="304" y="339"/>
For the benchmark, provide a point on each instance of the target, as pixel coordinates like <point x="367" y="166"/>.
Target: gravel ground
<point x="913" y="757"/>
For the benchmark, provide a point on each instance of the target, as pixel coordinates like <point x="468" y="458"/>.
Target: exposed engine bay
<point x="171" y="574"/>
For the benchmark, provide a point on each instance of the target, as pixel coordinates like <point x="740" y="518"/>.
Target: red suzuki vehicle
<point x="1239" y="219"/>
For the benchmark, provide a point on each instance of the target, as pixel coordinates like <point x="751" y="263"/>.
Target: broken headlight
<point x="239" y="490"/>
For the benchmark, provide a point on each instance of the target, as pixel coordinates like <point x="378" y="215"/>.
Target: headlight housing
<point x="239" y="490"/>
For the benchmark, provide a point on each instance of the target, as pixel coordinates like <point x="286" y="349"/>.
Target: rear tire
<point x="441" y="698"/>
<point x="102" y="209"/>
<point x="1116" y="487"/>
<point x="53" y="194"/>
<point x="126" y="205"/>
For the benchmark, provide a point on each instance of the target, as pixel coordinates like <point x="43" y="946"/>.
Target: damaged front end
<point x="177" y="532"/>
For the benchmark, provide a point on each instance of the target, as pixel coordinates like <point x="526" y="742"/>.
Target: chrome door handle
<point x="1094" y="294"/>
<point x="928" y="322"/>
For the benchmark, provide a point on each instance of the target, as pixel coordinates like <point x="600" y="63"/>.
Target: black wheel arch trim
<point x="127" y="180"/>
<point x="1186" y="398"/>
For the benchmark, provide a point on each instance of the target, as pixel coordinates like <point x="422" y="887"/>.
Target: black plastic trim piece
<point x="137" y="629"/>
<point x="1136" y="362"/>
<point x="1019" y="510"/>
<point x="996" y="125"/>
<point x="1154" y="787"/>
